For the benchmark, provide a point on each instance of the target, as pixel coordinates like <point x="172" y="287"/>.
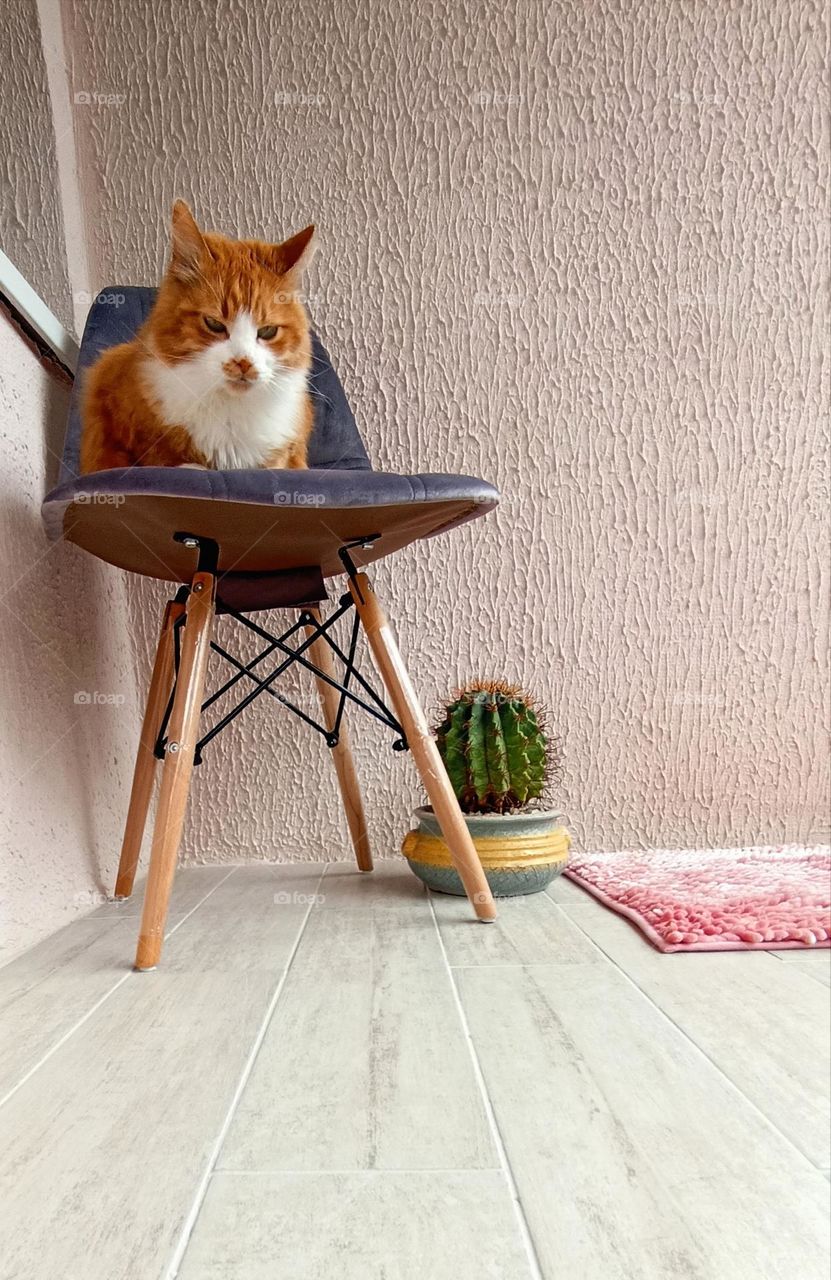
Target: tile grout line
<point x="379" y="1171"/>
<point x="189" y="1224"/>
<point x="505" y="1164"/>
<point x="129" y="974"/>
<point x="813" y="977"/>
<point x="526" y="964"/>
<point x="754" y="1106"/>
<point x="48" y="973"/>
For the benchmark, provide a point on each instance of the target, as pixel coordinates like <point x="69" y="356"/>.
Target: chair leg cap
<point x="149" y="969"/>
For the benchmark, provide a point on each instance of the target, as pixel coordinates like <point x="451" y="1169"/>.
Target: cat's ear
<point x="293" y="254"/>
<point x="187" y="245"/>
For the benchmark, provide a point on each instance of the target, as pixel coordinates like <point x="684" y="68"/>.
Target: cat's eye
<point x="215" y="326"/>
<point x="268" y="332"/>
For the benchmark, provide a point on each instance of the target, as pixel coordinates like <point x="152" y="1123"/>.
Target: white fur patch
<point x="234" y="429"/>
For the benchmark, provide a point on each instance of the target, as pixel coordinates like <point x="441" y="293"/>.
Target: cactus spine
<point x="496" y="753"/>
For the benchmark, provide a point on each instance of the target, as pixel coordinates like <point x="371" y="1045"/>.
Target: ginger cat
<point x="218" y="376"/>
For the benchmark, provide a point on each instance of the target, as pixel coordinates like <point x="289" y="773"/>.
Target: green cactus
<point x="494" y="748"/>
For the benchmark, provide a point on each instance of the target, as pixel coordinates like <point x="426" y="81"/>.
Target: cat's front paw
<point x="194" y="466"/>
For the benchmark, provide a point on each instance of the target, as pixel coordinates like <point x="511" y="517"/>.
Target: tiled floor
<point x="338" y="1077"/>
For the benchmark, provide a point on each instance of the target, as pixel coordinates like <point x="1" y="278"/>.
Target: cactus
<point x="496" y="753"/>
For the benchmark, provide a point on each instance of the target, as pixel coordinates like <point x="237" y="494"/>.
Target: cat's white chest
<point x="234" y="430"/>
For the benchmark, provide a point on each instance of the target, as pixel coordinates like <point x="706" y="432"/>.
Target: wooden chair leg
<point x="425" y="752"/>
<point x="145" y="770"/>
<point x="321" y="654"/>
<point x="178" y="766"/>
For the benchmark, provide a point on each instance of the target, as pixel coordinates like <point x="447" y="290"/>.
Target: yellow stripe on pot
<point x="503" y="853"/>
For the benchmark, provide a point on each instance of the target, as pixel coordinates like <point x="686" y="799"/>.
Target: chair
<point x="240" y="542"/>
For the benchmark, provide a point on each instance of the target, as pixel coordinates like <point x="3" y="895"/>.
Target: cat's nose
<point x="240" y="369"/>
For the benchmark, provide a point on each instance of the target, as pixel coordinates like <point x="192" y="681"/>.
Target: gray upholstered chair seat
<point x="263" y="521"/>
<point x="267" y="523"/>
<point x="312" y="488"/>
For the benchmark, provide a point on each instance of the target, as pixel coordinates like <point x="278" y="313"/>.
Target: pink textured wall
<point x="31" y="217"/>
<point x="67" y="683"/>
<point x="579" y="249"/>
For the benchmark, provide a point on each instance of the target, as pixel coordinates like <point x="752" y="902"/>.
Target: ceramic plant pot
<point x="520" y="852"/>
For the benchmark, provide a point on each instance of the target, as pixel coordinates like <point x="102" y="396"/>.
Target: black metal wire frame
<point x="372" y="703"/>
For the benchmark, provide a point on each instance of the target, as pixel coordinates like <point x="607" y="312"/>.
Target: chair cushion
<point x="264" y="521"/>
<point x="118" y="313"/>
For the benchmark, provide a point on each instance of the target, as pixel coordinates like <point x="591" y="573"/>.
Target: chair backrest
<point x="119" y="312"/>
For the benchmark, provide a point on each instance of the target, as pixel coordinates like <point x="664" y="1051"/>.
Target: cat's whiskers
<point x="280" y="376"/>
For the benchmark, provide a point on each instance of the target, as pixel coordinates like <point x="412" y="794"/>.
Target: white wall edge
<point x="34" y="310"/>
<point x="54" y="50"/>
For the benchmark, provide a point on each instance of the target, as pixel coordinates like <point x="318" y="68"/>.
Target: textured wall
<point x="31" y="223"/>
<point x="575" y="248"/>
<point x="67" y="688"/>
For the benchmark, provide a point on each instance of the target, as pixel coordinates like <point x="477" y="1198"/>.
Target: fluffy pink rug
<point x="717" y="899"/>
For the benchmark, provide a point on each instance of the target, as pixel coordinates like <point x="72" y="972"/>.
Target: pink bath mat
<point x="717" y="899"/>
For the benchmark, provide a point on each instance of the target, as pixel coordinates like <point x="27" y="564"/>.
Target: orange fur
<point x="209" y="276"/>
